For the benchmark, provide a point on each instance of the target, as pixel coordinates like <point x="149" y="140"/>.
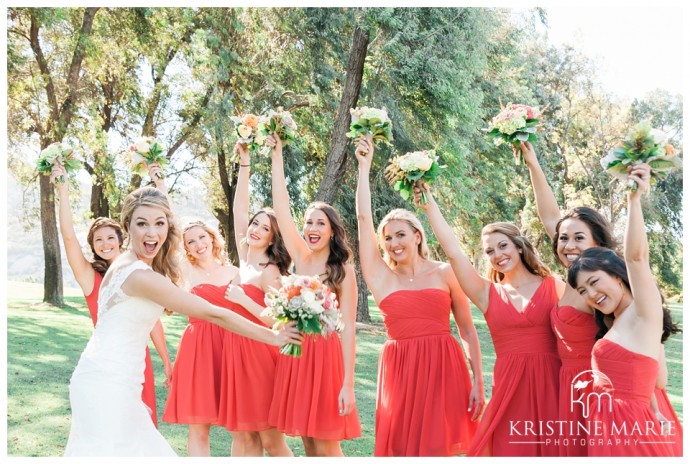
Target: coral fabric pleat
<point x="423" y="381"/>
<point x="669" y="413"/>
<point x="148" y="394"/>
<point x="575" y="336"/>
<point x="248" y="373"/>
<point x="305" y="395"/>
<point x="195" y="388"/>
<point x="525" y="381"/>
<point x="629" y="427"/>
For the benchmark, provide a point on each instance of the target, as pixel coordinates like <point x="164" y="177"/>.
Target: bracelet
<point x="244" y="165"/>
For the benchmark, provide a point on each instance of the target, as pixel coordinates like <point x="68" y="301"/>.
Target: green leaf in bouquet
<point x="404" y="193"/>
<point x="530" y="129"/>
<point x="155" y="149"/>
<point x="398" y="185"/>
<point x="532" y="138"/>
<point x="662" y="164"/>
<point x="72" y="165"/>
<point x="613" y="163"/>
<point x="523" y="136"/>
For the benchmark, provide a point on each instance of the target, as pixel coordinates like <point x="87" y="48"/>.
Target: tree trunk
<point x="362" y="294"/>
<point x="99" y="203"/>
<point x="226" y="218"/>
<point x="337" y="156"/>
<point x="52" y="283"/>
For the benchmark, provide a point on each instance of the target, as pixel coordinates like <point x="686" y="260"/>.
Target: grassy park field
<point x="44" y="344"/>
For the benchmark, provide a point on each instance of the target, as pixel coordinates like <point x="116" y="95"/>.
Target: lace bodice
<point x="111" y="288"/>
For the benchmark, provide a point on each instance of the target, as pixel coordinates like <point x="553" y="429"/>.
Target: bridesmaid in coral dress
<point x="194" y="395"/>
<point x="427" y="404"/>
<point x="314" y="395"/>
<point x="661" y="404"/>
<point x="516" y="302"/>
<point x="105" y="239"/>
<point x="625" y="296"/>
<point x="572" y="320"/>
<point x="248" y="366"/>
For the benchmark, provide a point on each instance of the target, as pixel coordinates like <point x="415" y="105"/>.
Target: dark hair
<point x="598" y="226"/>
<point x="340" y="251"/>
<point x="528" y="256"/>
<point x="607" y="260"/>
<point x="99" y="264"/>
<point x="276" y="251"/>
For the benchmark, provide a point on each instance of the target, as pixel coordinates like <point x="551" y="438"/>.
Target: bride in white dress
<point x="108" y="415"/>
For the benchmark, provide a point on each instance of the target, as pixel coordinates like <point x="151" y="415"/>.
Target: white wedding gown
<point x="108" y="416"/>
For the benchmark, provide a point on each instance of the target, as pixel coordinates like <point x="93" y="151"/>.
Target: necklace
<point x="208" y="273"/>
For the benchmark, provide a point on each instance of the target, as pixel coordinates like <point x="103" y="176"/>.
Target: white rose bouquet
<point x="60" y="154"/>
<point x="373" y="121"/>
<point x="642" y="145"/>
<point x="515" y="124"/>
<point x="247" y="131"/>
<point x="146" y="150"/>
<point x="403" y="172"/>
<point x="280" y="122"/>
<point x="307" y="301"/>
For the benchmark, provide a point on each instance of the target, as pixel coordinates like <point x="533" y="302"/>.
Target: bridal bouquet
<point x="404" y="171"/>
<point x="307" y="301"/>
<point x="371" y="121"/>
<point x="642" y="145"/>
<point x="62" y="155"/>
<point x="146" y="150"/>
<point x="247" y="131"/>
<point x="514" y="124"/>
<point x="281" y="123"/>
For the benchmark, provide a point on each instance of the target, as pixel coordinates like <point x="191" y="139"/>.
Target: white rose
<point x="658" y="136"/>
<point x="142" y="145"/>
<point x="424" y="163"/>
<point x="244" y="131"/>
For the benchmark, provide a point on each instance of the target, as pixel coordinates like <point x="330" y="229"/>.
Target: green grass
<point x="44" y="344"/>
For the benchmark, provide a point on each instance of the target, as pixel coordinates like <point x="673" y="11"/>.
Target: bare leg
<point x="274" y="443"/>
<point x="329" y="448"/>
<point x="198" y="441"/>
<point x="246" y="444"/>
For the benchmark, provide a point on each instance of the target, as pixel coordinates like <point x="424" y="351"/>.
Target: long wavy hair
<point x="276" y="252"/>
<point x="604" y="259"/>
<point x="99" y="264"/>
<point x="340" y="251"/>
<point x="598" y="226"/>
<point x="217" y="242"/>
<point x="166" y="260"/>
<point x="408" y="217"/>
<point x="528" y="256"/>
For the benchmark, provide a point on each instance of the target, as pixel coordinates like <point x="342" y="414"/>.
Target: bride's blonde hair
<point x="166" y="261"/>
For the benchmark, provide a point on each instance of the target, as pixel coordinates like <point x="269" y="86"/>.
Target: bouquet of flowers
<point x="146" y="150"/>
<point x="281" y="123"/>
<point x="404" y="171"/>
<point x="57" y="153"/>
<point x="371" y="121"/>
<point x="307" y="301"/>
<point x="513" y="125"/>
<point x="247" y="130"/>
<point x="642" y="145"/>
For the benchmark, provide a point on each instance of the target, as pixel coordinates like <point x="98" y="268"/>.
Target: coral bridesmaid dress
<point x="525" y="385"/>
<point x="306" y="390"/>
<point x="669" y="413"/>
<point x="248" y="370"/>
<point x="423" y="380"/>
<point x="148" y="394"/>
<point x="575" y="336"/>
<point x="194" y="394"/>
<point x="628" y="426"/>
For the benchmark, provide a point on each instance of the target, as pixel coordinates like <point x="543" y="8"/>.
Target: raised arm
<point x="475" y="286"/>
<point x="645" y="292"/>
<point x="240" y="205"/>
<point x="153" y="286"/>
<point x="373" y="266"/>
<point x="348" y="311"/>
<point x="80" y="266"/>
<point x="296" y="247"/>
<point x="158" y="339"/>
<point x="468" y="333"/>
<point x="547" y="206"/>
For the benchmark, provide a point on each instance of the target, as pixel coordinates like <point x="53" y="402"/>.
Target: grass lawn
<point x="44" y="344"/>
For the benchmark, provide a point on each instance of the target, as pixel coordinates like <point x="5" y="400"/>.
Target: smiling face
<point x="574" y="237"/>
<point x="198" y="243"/>
<point x="502" y="253"/>
<point x="601" y="291"/>
<point x="106" y="243"/>
<point x="148" y="230"/>
<point x="317" y="229"/>
<point x="401" y="241"/>
<point x="259" y="233"/>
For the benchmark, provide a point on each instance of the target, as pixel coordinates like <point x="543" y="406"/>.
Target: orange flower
<point x="250" y="120"/>
<point x="670" y="150"/>
<point x="293" y="292"/>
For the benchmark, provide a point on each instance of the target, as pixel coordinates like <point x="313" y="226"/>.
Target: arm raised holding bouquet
<point x="58" y="154"/>
<point x="515" y="123"/>
<point x="145" y="152"/>
<point x="372" y="121"/>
